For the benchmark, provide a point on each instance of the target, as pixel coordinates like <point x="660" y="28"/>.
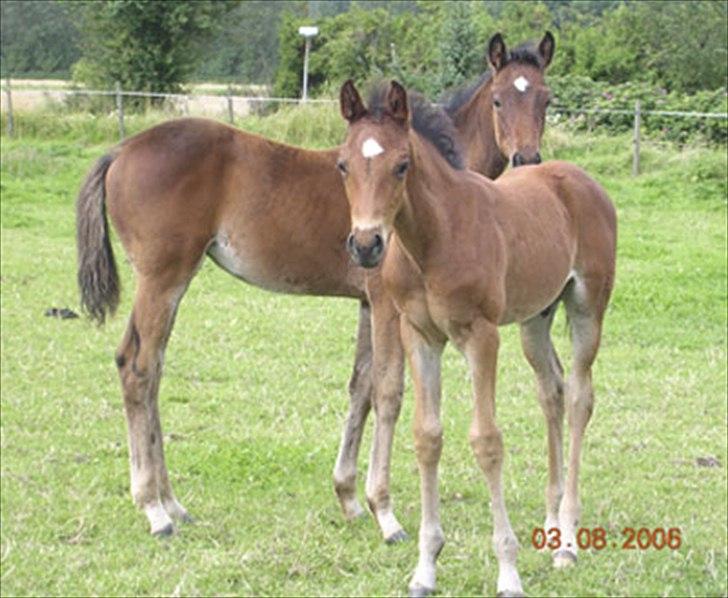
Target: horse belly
<point x="284" y="268"/>
<point x="533" y="285"/>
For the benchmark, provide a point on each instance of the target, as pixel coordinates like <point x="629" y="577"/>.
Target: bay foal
<point x="275" y="216"/>
<point x="465" y="256"/>
<point x="508" y="103"/>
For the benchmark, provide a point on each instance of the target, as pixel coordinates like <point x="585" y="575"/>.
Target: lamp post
<point x="308" y="33"/>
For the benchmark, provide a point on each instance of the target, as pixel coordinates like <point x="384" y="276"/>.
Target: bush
<point x="575" y="92"/>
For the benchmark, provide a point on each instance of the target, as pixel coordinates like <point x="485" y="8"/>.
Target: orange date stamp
<point x="597" y="538"/>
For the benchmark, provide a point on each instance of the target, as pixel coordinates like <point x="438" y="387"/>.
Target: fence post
<point x="120" y="110"/>
<point x="11" y="127"/>
<point x="636" y="139"/>
<point x="231" y="110"/>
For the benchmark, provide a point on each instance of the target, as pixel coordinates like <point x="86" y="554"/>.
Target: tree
<point x="686" y="43"/>
<point x="146" y="45"/>
<point x="246" y="46"/>
<point x="37" y="38"/>
<point x="460" y="48"/>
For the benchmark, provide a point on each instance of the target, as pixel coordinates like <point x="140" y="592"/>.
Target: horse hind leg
<point x="542" y="356"/>
<point x="169" y="501"/>
<point x="139" y="360"/>
<point x="585" y="303"/>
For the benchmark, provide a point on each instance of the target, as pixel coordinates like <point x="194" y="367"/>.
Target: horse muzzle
<point x="366" y="247"/>
<point x="523" y="158"/>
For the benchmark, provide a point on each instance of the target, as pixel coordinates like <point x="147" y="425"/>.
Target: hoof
<point x="187" y="518"/>
<point x="509" y="594"/>
<point x="564" y="559"/>
<point x="164" y="532"/>
<point x="356" y="515"/>
<point x="352" y="510"/>
<point x="397" y="537"/>
<point x="420" y="591"/>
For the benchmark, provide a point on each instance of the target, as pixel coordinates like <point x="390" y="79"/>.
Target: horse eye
<point x="341" y="165"/>
<point x="401" y="169"/>
<point x="497" y="103"/>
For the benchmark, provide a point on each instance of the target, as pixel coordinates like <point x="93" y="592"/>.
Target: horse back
<point x="274" y="215"/>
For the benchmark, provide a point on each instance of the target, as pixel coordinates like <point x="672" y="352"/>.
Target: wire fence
<point x="231" y="106"/>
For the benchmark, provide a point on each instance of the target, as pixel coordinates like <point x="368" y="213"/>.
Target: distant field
<point x="254" y="395"/>
<point x="40" y="94"/>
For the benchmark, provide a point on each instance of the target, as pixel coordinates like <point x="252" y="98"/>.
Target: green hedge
<point x="574" y="92"/>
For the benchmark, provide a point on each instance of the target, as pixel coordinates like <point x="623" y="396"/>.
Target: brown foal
<point x="465" y="256"/>
<point x="274" y="216"/>
<point x="509" y="105"/>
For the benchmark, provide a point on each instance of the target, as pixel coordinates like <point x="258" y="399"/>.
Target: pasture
<point x="254" y="395"/>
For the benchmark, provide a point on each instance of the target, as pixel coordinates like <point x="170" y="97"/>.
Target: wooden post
<point x="11" y="123"/>
<point x="231" y="110"/>
<point x="636" y="139"/>
<point x="120" y="110"/>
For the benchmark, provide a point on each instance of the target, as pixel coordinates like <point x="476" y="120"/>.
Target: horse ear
<point x="352" y="108"/>
<point x="546" y="48"/>
<point x="497" y="53"/>
<point x="397" y="102"/>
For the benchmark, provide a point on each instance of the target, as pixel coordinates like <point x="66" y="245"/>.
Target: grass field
<point x="253" y="400"/>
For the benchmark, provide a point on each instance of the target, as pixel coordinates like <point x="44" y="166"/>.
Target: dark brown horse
<point x="275" y="216"/>
<point x="467" y="255"/>
<point x="509" y="104"/>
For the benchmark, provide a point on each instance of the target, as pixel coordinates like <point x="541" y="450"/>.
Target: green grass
<point x="254" y="396"/>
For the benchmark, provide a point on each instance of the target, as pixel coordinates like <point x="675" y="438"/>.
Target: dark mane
<point x="429" y="120"/>
<point x="454" y="99"/>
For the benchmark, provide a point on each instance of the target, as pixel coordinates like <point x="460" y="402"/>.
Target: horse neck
<point x="423" y="218"/>
<point x="326" y="157"/>
<point x="474" y="122"/>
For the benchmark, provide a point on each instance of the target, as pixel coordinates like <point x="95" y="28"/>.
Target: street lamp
<point x="308" y="33"/>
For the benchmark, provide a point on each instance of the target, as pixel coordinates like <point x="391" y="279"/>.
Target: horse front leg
<point x="360" y="390"/>
<point x="486" y="440"/>
<point x="424" y="359"/>
<point x="387" y="381"/>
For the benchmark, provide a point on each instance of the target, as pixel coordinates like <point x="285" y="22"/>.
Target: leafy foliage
<point x="37" y="37"/>
<point x="573" y="92"/>
<point x="678" y="46"/>
<point x="608" y="53"/>
<point x="246" y="45"/>
<point x="459" y="45"/>
<point x="151" y="46"/>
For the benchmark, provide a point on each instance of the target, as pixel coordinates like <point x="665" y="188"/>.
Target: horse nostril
<point x="518" y="159"/>
<point x="378" y="242"/>
<point x="537" y="158"/>
<point x="350" y="242"/>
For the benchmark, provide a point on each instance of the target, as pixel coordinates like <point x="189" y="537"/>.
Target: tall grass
<point x="309" y="125"/>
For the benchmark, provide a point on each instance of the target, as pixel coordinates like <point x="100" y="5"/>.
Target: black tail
<point x="98" y="279"/>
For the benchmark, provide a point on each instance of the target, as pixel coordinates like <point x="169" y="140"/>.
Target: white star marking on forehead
<point x="521" y="84"/>
<point x="371" y="148"/>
